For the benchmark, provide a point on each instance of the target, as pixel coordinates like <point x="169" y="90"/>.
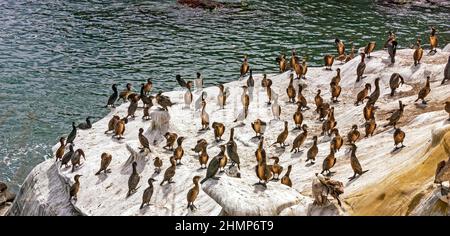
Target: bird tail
<point x="364" y="171"/>
<point x="203" y="180"/>
<point x="98" y="172"/>
<point x="142" y="206"/>
<point x="392" y="92"/>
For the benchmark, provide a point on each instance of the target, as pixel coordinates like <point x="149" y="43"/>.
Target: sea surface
<point x="58" y="58"/>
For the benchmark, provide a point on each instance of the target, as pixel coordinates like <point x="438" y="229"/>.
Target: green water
<point x="58" y="58"/>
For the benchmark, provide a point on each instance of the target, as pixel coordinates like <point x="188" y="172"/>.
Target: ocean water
<point x="59" y="58"/>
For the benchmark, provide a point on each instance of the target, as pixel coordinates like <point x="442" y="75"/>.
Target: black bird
<point x="72" y="135"/>
<point x="181" y="81"/>
<point x="212" y="170"/>
<point x="86" y="125"/>
<point x="112" y="99"/>
<point x="147" y="100"/>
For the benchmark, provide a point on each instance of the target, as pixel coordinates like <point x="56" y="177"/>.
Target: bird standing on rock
<point x="363" y="94"/>
<point x="245" y="66"/>
<point x="203" y="158"/>
<point x="60" y="152"/>
<point x="276" y="169"/>
<point x="356" y="166"/>
<point x="143" y="140"/>
<point x="201" y="143"/>
<point x="75" y="188"/>
<point x="424" y="91"/>
<point x="113" y="97"/>
<point x="148" y="192"/>
<point x="282" y="64"/>
<point x="376" y="93"/>
<point x="300" y="139"/>
<point x="391" y="45"/>
<point x="259" y="127"/>
<point x="360" y="69"/>
<point x="76" y="158"/>
<point x="370" y="127"/>
<point x="312" y="151"/>
<point x="282" y="136"/>
<point x="353" y="135"/>
<point x="73" y="134"/>
<point x="328" y="59"/>
<point x="193" y="193"/>
<point x="170" y="172"/>
<point x="179" y="152"/>
<point x="286" y="180"/>
<point x="104" y="163"/>
<point x="133" y="181"/>
<point x="395" y="81"/>
<point x="157" y="162"/>
<point x="399" y="136"/>
<point x="369" y="48"/>
<point x="126" y="92"/>
<point x="86" y="125"/>
<point x="395" y="117"/>
<point x="290" y="89"/>
<point x="433" y="40"/>
<point x="213" y="168"/>
<point x="418" y="53"/>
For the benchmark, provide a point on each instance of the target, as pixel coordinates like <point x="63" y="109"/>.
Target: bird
<point x="245" y="66"/>
<point x="424" y="91"/>
<point x="157" y="162"/>
<point x="213" y="168"/>
<point x="329" y="162"/>
<point x="112" y="123"/>
<point x="147" y="100"/>
<point x="370" y="127"/>
<point x="60" y="151"/>
<point x="399" y="136"/>
<point x="179" y="152"/>
<point x="163" y="101"/>
<point x="275" y="168"/>
<point x="337" y="78"/>
<point x="73" y="134"/>
<point x="170" y="140"/>
<point x="193" y="193"/>
<point x="433" y="40"/>
<point x="301" y="99"/>
<point x="203" y="158"/>
<point x="351" y="55"/>
<point x="119" y="128"/>
<point x="204" y="116"/>
<point x="290" y="89"/>
<point x="232" y="150"/>
<point x="328" y="61"/>
<point x="395" y="81"/>
<point x="133" y="180"/>
<point x="104" y="163"/>
<point x="318" y="100"/>
<point x="356" y="166"/>
<point x="300" y="139"/>
<point x="285" y="179"/>
<point x="337" y="141"/>
<point x="312" y="151"/>
<point x="369" y="112"/>
<point x="201" y="143"/>
<point x="260" y="152"/>
<point x="369" y="48"/>
<point x="148" y="192"/>
<point x="219" y="130"/>
<point x="67" y="157"/>
<point x="418" y="53"/>
<point x="269" y="91"/>
<point x="262" y="172"/>
<point x="340" y="47"/>
<point x="447" y="109"/>
<point x="373" y="97"/>
<point x="282" y="136"/>
<point x="354" y="134"/>
<point x="75" y="188"/>
<point x="363" y="94"/>
<point x="126" y="92"/>
<point x="335" y="91"/>
<point x="298" y="116"/>
<point x="259" y="127"/>
<point x="223" y="159"/>
<point x="148" y="86"/>
<point x="86" y="125"/>
<point x="170" y="172"/>
<point x="396" y="115"/>
<point x="294" y="58"/>
<point x="391" y="45"/>
<point x="360" y="69"/>
<point x="276" y="109"/>
<point x="76" y="157"/>
<point x="143" y="140"/>
<point x="188" y="95"/>
<point x="281" y="60"/>
<point x="181" y="81"/>
<point x="133" y="106"/>
<point x="198" y="82"/>
<point x="113" y="97"/>
<point x="223" y="95"/>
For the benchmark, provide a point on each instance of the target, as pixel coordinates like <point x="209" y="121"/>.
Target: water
<point x="58" y="58"/>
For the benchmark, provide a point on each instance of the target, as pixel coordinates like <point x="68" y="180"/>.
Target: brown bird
<point x="433" y="40"/>
<point x="76" y="158"/>
<point x="328" y="59"/>
<point x="285" y="179"/>
<point x="219" y="129"/>
<point x="370" y="127"/>
<point x="329" y="162"/>
<point x="335" y="91"/>
<point x="222" y="97"/>
<point x="337" y="141"/>
<point x="126" y="92"/>
<point x="447" y="109"/>
<point x="312" y="152"/>
<point x="290" y="89"/>
<point x="245" y="66"/>
<point x="260" y="153"/>
<point x="201" y="143"/>
<point x="329" y="123"/>
<point x="399" y="136"/>
<point x="395" y="117"/>
<point x="193" y="193"/>
<point x="112" y="123"/>
<point x="318" y="100"/>
<point x="353" y="135"/>
<point x="418" y="53"/>
<point x="104" y="163"/>
<point x="369" y="48"/>
<point x="179" y="152"/>
<point x="282" y="136"/>
<point x="363" y="94"/>
<point x="143" y="140"/>
<point x="269" y="91"/>
<point x="395" y="81"/>
<point x="262" y="172"/>
<point x="75" y="188"/>
<point x="337" y="78"/>
<point x="148" y="192"/>
<point x="369" y="112"/>
<point x="133" y="107"/>
<point x="157" y="162"/>
<point x="148" y="86"/>
<point x="170" y="140"/>
<point x="376" y="93"/>
<point x="298" y="69"/>
<point x="340" y="50"/>
<point x="203" y="158"/>
<point x="223" y="159"/>
<point x="259" y="127"/>
<point x="276" y="169"/>
<point x="170" y="172"/>
<point x="294" y="59"/>
<point x="305" y="68"/>
<point x="133" y="181"/>
<point x="300" y="139"/>
<point x="356" y="166"/>
<point x="204" y="116"/>
<point x="360" y="69"/>
<point x="351" y="55"/>
<point x="281" y="59"/>
<point x="424" y="91"/>
<point x="298" y="116"/>
<point x="119" y="128"/>
<point x="60" y="152"/>
<point x="301" y="99"/>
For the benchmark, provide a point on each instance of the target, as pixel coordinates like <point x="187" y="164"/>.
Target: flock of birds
<point x="264" y="172"/>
